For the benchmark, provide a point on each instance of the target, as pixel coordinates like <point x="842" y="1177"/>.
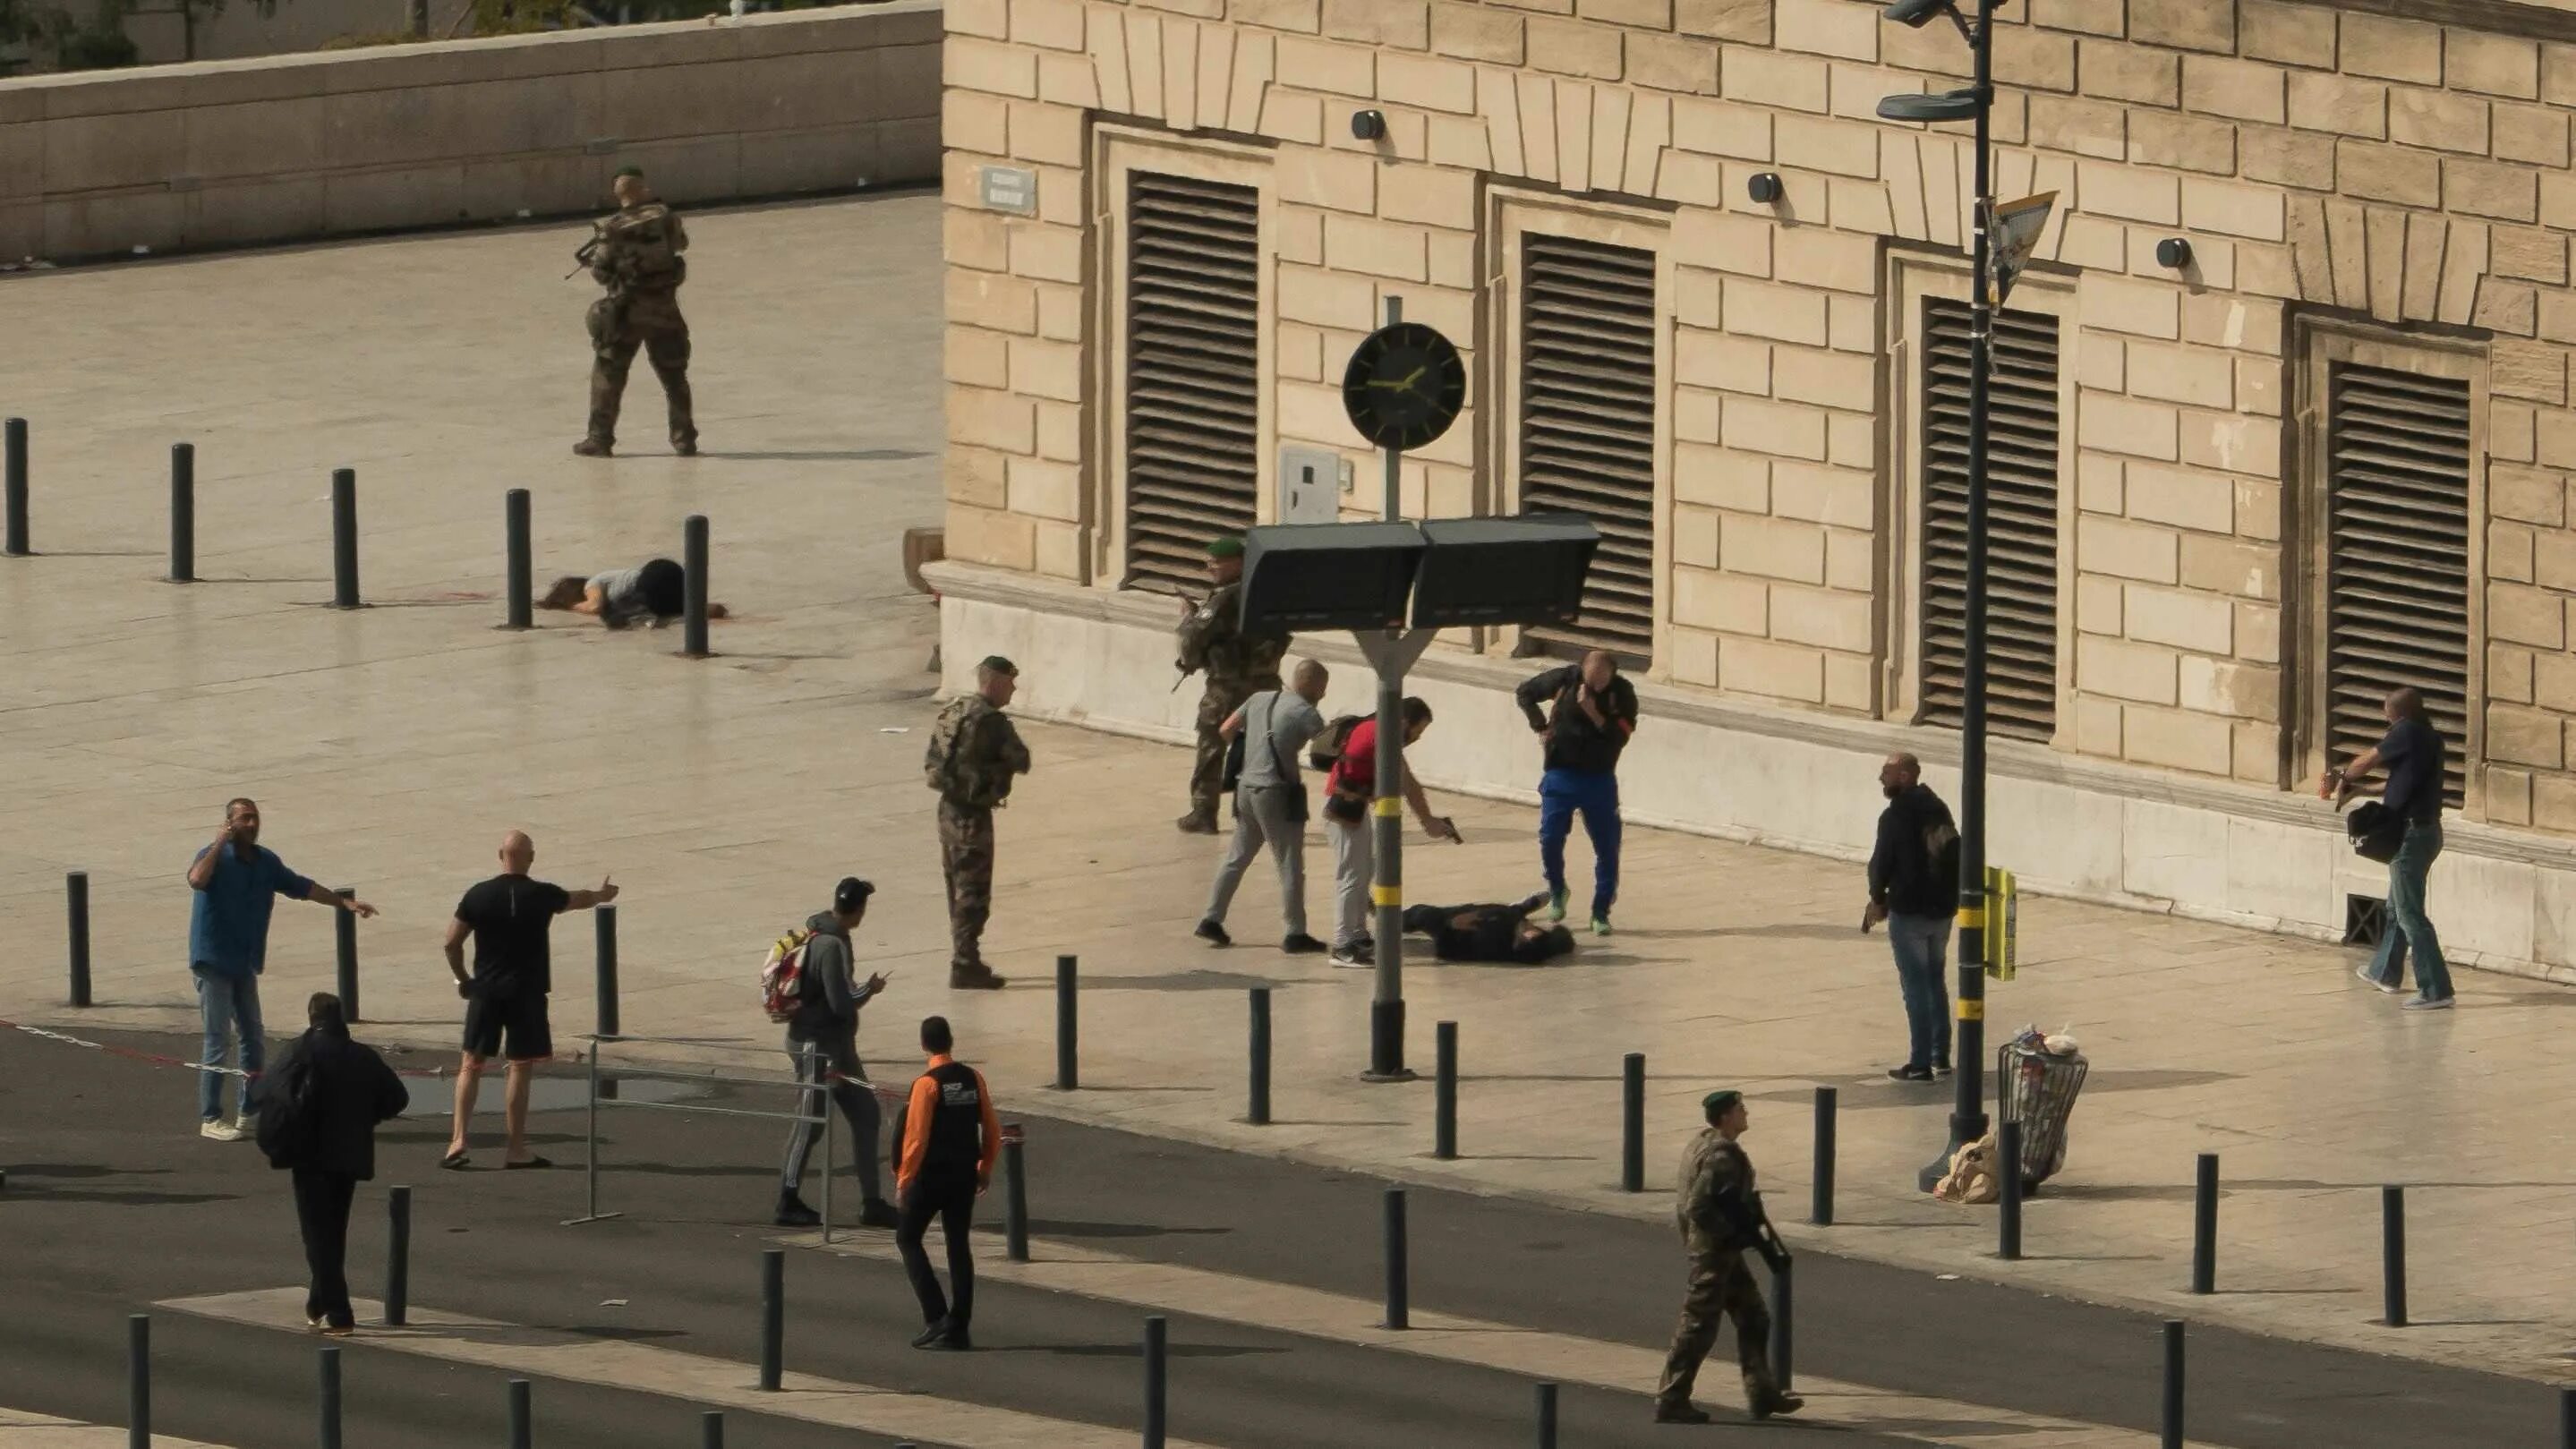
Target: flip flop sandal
<point x="455" y="1162"/>
<point x="530" y="1163"/>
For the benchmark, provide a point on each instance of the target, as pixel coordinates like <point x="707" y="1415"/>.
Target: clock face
<point x="1405" y="386"/>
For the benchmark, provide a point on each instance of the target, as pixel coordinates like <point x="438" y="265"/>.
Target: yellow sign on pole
<point x="2003" y="923"/>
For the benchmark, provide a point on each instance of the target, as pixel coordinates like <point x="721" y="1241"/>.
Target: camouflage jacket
<point x="1211" y="640"/>
<point x="975" y="754"/>
<point x="1714" y="1170"/>
<point x="638" y="250"/>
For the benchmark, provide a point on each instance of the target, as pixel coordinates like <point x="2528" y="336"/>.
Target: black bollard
<point x="1067" y="1027"/>
<point x="1632" y="1123"/>
<point x="1257" y="1108"/>
<point x="1444" y="1091"/>
<point x="397" y="1256"/>
<point x="523" y="573"/>
<point x="1015" y="1198"/>
<point x="330" y="1360"/>
<point x="2172" y="1438"/>
<point x="344" y="539"/>
<point x="2008" y="1221"/>
<point x="1398" y="1315"/>
<point x="2567" y="1419"/>
<point x="138" y="1371"/>
<point x="1546" y="1396"/>
<point x="344" y="935"/>
<point x="76" y="913"/>
<point x="13" y="481"/>
<point x="773" y="1316"/>
<point x="1157" y="1351"/>
<point x="183" y="513"/>
<point x="2392" y="1240"/>
<point x="693" y="563"/>
<point x="2204" y="1225"/>
<point x="711" y="1430"/>
<point x="523" y="1430"/>
<point x="1784" y="1300"/>
<point x="604" y="1009"/>
<point x="1820" y="1206"/>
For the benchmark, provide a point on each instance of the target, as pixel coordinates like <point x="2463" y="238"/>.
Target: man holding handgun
<point x="1721" y="1217"/>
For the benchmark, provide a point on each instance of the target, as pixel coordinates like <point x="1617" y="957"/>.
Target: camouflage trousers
<point x="655" y="326"/>
<point x="1720" y="1285"/>
<point x="1207" y="770"/>
<point x="966" y="855"/>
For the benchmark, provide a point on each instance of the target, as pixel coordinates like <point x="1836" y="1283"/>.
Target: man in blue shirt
<point x="2413" y="752"/>
<point x="237" y="882"/>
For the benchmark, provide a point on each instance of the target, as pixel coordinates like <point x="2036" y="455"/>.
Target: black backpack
<point x="1327" y="747"/>
<point x="290" y="1120"/>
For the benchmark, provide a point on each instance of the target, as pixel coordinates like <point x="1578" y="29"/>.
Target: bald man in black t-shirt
<point x="510" y="917"/>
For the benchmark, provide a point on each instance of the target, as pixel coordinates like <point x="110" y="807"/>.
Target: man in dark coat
<point x="328" y="1094"/>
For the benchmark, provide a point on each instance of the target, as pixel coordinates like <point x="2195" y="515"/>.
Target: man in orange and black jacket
<point x="950" y="1138"/>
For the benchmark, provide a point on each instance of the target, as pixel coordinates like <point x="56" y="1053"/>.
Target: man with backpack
<point x="1914" y="888"/>
<point x="1270" y="803"/>
<point x="636" y="256"/>
<point x="812" y="981"/>
<point x="1349" y="788"/>
<point x="1591" y="712"/>
<point x="1238" y="665"/>
<point x="327" y="1095"/>
<point x="975" y="754"/>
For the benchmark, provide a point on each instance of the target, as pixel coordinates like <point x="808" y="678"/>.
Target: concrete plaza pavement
<point x="391" y="746"/>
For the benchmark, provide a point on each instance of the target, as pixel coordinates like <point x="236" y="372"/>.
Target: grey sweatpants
<point x="1261" y="816"/>
<point x="1354" y="865"/>
<point x="856" y="1100"/>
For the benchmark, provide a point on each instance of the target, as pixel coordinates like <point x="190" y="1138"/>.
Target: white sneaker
<point x="217" y="1129"/>
<point x="247" y="1124"/>
<point x="2428" y="1003"/>
<point x="2362" y="973"/>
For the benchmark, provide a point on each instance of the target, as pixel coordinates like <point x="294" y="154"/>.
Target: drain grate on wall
<point x="2365" y="920"/>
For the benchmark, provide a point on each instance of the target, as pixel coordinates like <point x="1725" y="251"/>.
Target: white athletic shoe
<point x="246" y="1125"/>
<point x="218" y="1130"/>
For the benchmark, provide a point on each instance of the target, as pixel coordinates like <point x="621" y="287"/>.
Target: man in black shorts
<point x="509" y="917"/>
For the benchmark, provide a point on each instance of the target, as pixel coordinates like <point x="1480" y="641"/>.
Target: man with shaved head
<point x="509" y="917"/>
<point x="1270" y="802"/>
<point x="1591" y="712"/>
<point x="2414" y="755"/>
<point x="1914" y="888"/>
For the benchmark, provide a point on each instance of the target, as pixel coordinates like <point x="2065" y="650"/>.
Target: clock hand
<point x="1416" y="376"/>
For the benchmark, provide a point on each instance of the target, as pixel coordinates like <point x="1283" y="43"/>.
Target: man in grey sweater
<point x="823" y="1040"/>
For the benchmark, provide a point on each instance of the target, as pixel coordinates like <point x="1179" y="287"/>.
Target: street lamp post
<point x="1976" y="104"/>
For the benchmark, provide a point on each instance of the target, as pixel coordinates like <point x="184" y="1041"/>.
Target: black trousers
<point x="322" y="1212"/>
<point x="953" y="1204"/>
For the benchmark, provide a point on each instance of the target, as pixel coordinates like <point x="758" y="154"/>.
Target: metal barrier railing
<point x="817" y="1082"/>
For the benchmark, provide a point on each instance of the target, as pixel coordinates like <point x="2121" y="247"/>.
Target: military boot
<point x="593" y="447"/>
<point x="972" y="976"/>
<point x="1198" y="822"/>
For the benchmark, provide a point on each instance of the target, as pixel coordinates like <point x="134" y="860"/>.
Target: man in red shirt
<point x="1350" y="786"/>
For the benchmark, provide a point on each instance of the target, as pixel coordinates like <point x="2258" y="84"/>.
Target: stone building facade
<point x="2235" y="498"/>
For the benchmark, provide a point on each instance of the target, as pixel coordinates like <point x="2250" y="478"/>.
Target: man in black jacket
<point x="326" y="1095"/>
<point x="1914" y="887"/>
<point x="1591" y="713"/>
<point x="823" y="1041"/>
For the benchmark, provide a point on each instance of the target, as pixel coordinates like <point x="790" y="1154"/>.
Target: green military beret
<point x="1720" y="1101"/>
<point x="628" y="170"/>
<point x="1226" y="547"/>
<point x="1000" y="665"/>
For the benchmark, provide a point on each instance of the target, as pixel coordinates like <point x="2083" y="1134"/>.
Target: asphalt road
<point x="113" y="1203"/>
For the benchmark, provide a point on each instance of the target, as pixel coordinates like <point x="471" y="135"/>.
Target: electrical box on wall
<point x="1312" y="482"/>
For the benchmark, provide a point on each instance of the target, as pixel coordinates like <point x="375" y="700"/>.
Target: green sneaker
<point x="1556" y="905"/>
<point x="1601" y="925"/>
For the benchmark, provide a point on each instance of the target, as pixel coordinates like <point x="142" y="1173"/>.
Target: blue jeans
<point x="1562" y="793"/>
<point x="229" y="1004"/>
<point x="2412" y="930"/>
<point x="1920" y="943"/>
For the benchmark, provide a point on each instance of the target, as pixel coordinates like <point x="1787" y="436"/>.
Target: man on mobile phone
<point x="823" y="1041"/>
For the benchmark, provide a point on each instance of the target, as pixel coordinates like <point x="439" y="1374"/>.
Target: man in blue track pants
<point x="1590" y="711"/>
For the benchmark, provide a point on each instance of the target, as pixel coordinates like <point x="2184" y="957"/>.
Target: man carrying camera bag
<point x="1270" y="803"/>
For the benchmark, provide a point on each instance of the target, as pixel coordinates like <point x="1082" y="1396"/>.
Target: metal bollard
<point x="397" y="1256"/>
<point x="1783" y="1320"/>
<point x="1444" y="1091"/>
<point x="2008" y="1221"/>
<point x="604" y="1008"/>
<point x="138" y="1373"/>
<point x="711" y="1430"/>
<point x="1015" y="1199"/>
<point x="2567" y="1419"/>
<point x="1546" y="1395"/>
<point x="1820" y="1206"/>
<point x="523" y="1430"/>
<point x="522" y="569"/>
<point x="344" y="936"/>
<point x="693" y="563"/>
<point x="330" y="1368"/>
<point x="1067" y="1027"/>
<point x="1632" y="1123"/>
<point x="773" y="1316"/>
<point x="2172" y="1438"/>
<point x="2392" y="1243"/>
<point x="183" y="513"/>
<point x="1157" y="1352"/>
<point x="1257" y="1108"/>
<point x="76" y="913"/>
<point x="344" y="539"/>
<point x="13" y="482"/>
<point x="2204" y="1225"/>
<point x="1398" y="1314"/>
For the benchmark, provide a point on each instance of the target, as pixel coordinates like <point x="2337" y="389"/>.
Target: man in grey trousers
<point x="823" y="1040"/>
<point x="1270" y="802"/>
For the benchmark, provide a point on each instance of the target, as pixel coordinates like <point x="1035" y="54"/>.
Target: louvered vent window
<point x="2021" y="521"/>
<point x="2397" y="556"/>
<point x="1587" y="391"/>
<point x="1193" y="372"/>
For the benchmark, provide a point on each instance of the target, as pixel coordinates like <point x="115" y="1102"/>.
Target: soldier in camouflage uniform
<point x="1721" y="1218"/>
<point x="636" y="256"/>
<point x="1238" y="666"/>
<point x="974" y="756"/>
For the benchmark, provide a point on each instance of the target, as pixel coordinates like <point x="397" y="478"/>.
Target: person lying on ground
<point x="1490" y="932"/>
<point x="652" y="593"/>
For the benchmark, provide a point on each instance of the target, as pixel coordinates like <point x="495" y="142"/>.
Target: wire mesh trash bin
<point x="2037" y="1078"/>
